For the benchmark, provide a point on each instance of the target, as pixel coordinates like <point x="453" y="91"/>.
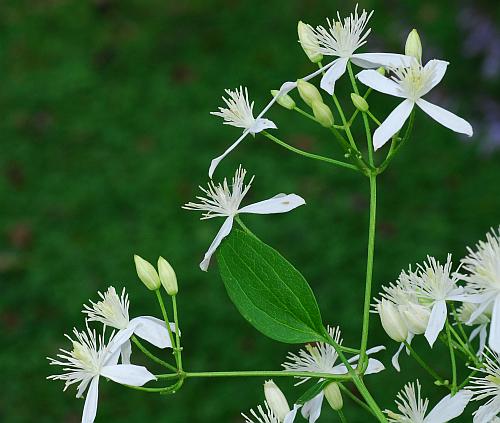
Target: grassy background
<point x="106" y="133"/>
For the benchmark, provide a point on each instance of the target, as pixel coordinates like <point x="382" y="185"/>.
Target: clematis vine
<point x="112" y="310"/>
<point x="90" y="359"/>
<point x="413" y="409"/>
<point x="480" y="322"/>
<point x="224" y="201"/>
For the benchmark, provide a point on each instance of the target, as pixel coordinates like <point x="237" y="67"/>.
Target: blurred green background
<point x="106" y="133"/>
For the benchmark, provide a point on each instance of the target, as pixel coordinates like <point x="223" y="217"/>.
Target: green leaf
<point x="268" y="291"/>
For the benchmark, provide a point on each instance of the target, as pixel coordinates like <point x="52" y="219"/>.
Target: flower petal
<point x="395" y="358"/>
<point x="312" y="408"/>
<point x="374" y="60"/>
<point x="392" y="124"/>
<point x="446" y="118"/>
<point x="280" y="203"/>
<point x="262" y="124"/>
<point x="128" y="374"/>
<point x="331" y="76"/>
<point x="449" y="407"/>
<point x="290" y="417"/>
<point x="482" y="339"/>
<point x="488" y="411"/>
<point x="374" y="366"/>
<point x="223" y="232"/>
<point x="115" y="346"/>
<point x="436" y="323"/>
<point x="152" y="330"/>
<point x="440" y="67"/>
<point x="494" y="339"/>
<point x="82" y="386"/>
<point x="90" y="407"/>
<point x="215" y="162"/>
<point x="373" y="79"/>
<point x="126" y="352"/>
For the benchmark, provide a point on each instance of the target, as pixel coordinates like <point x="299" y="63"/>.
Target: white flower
<point x="224" y="201"/>
<point x="487" y="386"/>
<point x="89" y="359"/>
<point x="322" y="358"/>
<point x="481" y="322"/>
<point x="413" y="408"/>
<point x="483" y="282"/>
<point x="112" y="311"/>
<point x="266" y="415"/>
<point x="433" y="284"/>
<point x="341" y="39"/>
<point x="411" y="83"/>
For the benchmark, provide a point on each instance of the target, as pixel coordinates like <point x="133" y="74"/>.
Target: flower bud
<point x="323" y="114"/>
<point x="381" y="70"/>
<point x="359" y="102"/>
<point x="333" y="396"/>
<point x="416" y="317"/>
<point x="309" y="42"/>
<point x="284" y="100"/>
<point x="276" y="400"/>
<point x="413" y="46"/>
<point x="147" y="273"/>
<point x="392" y="322"/>
<point x="167" y="276"/>
<point x="308" y="92"/>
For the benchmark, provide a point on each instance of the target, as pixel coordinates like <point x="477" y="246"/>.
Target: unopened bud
<point x="309" y="42"/>
<point x="284" y="100"/>
<point x="413" y="46"/>
<point x="323" y="114"/>
<point x="147" y="273"/>
<point x="381" y="70"/>
<point x="308" y="92"/>
<point x="359" y="102"/>
<point x="276" y="400"/>
<point x="392" y="322"/>
<point x="416" y="317"/>
<point x="333" y="396"/>
<point x="167" y="276"/>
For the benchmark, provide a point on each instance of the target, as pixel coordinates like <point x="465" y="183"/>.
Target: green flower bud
<point x="413" y="46"/>
<point x="333" y="396"/>
<point x="359" y="102"/>
<point x="284" y="100"/>
<point x="167" y="277"/>
<point x="276" y="400"/>
<point x="323" y="114"/>
<point x="147" y="273"/>
<point x="392" y="322"/>
<point x="381" y="70"/>
<point x="308" y="92"/>
<point x="309" y="42"/>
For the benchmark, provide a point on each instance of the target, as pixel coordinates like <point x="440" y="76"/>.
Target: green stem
<point x="467" y="380"/>
<point x="452" y="359"/>
<point x="165" y="318"/>
<point x="311" y="117"/>
<point x="369" y="268"/>
<point x="459" y="323"/>
<point x="424" y="365"/>
<point x="345" y="123"/>
<point x="178" y="348"/>
<point x="355" y="399"/>
<point x="256" y="373"/>
<point x="342" y="416"/>
<point x="372" y="116"/>
<point x="309" y="155"/>
<point x="150" y="355"/>
<point x="464" y="347"/>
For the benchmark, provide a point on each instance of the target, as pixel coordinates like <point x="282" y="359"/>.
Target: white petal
<point x="90" y="407"/>
<point x="449" y="407"/>
<point x="262" y="124"/>
<point x="126" y="352"/>
<point x="128" y="374"/>
<point x="494" y="340"/>
<point x="487" y="412"/>
<point x="379" y="83"/>
<point x="375" y="60"/>
<point x="312" y="408"/>
<point x="440" y="67"/>
<point x="223" y="232"/>
<point x="446" y="118"/>
<point x="280" y="203"/>
<point x="436" y="323"/>
<point x="115" y="345"/>
<point x="474" y="333"/>
<point x="82" y="386"/>
<point x="393" y="123"/>
<point x="331" y="76"/>
<point x="395" y="358"/>
<point x="369" y="351"/>
<point x="482" y="339"/>
<point x="290" y="417"/>
<point x="215" y="162"/>
<point x="374" y="366"/>
<point x="152" y="330"/>
<point x="286" y="87"/>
